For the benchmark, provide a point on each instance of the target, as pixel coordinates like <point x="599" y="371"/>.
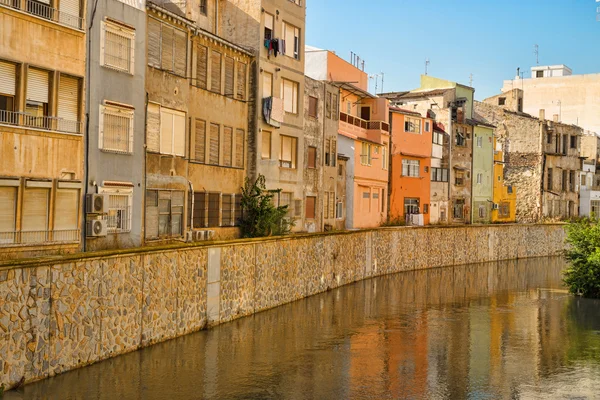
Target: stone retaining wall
<point x="60" y="314"/>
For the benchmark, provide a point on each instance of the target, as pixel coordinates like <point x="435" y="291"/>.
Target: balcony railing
<point x="47" y="123"/>
<point x="361" y="123"/>
<point x="378" y="125"/>
<point x="45" y="11"/>
<point x="39" y="237"/>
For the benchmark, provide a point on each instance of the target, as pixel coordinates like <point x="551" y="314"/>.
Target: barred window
<point x="117" y="47"/>
<point x="214" y="206"/>
<point x="227" y="210"/>
<point x="119" y="213"/>
<point x="116" y="129"/>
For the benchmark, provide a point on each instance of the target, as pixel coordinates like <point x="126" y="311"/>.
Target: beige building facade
<point x="42" y="71"/>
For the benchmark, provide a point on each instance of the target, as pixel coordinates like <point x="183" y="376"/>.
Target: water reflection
<point x="499" y="330"/>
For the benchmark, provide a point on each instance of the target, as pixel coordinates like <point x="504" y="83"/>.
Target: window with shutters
<point x="240" y="139"/>
<point x="229" y="72"/>
<point x="116" y="129"/>
<point x="214" y="141"/>
<point x="265" y="150"/>
<point x="117" y="47"/>
<point x="215" y="71"/>
<point x="8" y="88"/>
<point x="8" y="214"/>
<point x="288" y="152"/>
<point x="118" y="219"/>
<point x="67" y="109"/>
<point x="269" y="24"/>
<point x="291" y="35"/>
<point x="267" y="84"/>
<point x="37" y="98"/>
<point x="311" y="202"/>
<point x="172" y="132"/>
<point x="312" y="157"/>
<point x="66" y="215"/>
<point x="313" y="104"/>
<point x="214" y="208"/>
<point x="200" y="141"/>
<point x="327" y="152"/>
<point x="164" y="213"/>
<point x="333" y="160"/>
<point x="289" y="93"/>
<point x="227" y="146"/>
<point x="227" y="210"/>
<point x="241" y="81"/>
<point x="200" y="210"/>
<point x="167" y="47"/>
<point x="34" y="215"/>
<point x="335" y="107"/>
<point x="201" y="66"/>
<point x="238" y="212"/>
<point x="203" y="7"/>
<point x="153" y="127"/>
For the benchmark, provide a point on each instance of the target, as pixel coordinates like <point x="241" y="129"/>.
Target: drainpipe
<point x="192" y="205"/>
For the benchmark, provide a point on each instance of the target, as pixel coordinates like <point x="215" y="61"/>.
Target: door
<point x="365" y="113"/>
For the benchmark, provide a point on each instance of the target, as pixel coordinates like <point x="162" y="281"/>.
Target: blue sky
<point x="488" y="38"/>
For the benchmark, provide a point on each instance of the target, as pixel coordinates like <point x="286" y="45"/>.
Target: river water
<point x="491" y="331"/>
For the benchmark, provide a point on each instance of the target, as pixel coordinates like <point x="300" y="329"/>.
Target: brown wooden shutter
<point x="199" y="210"/>
<point x="227" y="146"/>
<point x="215" y="72"/>
<point x="154" y="42"/>
<point x="153" y="127"/>
<point x="239" y="148"/>
<point x="214" y="208"/>
<point x="200" y="141"/>
<point x="229" y="72"/>
<point x="241" y="81"/>
<point x="312" y="157"/>
<point x="167" y="45"/>
<point x="333" y="160"/>
<point x="214" y="144"/>
<point x="66" y="209"/>
<point x="8" y="198"/>
<point x="331" y="205"/>
<point x="326" y="204"/>
<point x="180" y="52"/>
<point x="310" y="207"/>
<point x="227" y="210"/>
<point x="202" y="67"/>
<point x="35" y="210"/>
<point x="312" y="106"/>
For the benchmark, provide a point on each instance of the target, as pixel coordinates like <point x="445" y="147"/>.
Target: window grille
<point x="117" y="47"/>
<point x="116" y="129"/>
<point x="119" y="213"/>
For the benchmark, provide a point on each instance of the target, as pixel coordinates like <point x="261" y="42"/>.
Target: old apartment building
<point x="542" y="160"/>
<point x="116" y="109"/>
<point x="589" y="190"/>
<point x="197" y="124"/>
<point x="483" y="172"/>
<point x="450" y="104"/>
<point x="505" y="196"/>
<point x="42" y="70"/>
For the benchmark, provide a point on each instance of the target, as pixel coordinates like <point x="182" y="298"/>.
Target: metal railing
<point x="11" y="3"/>
<point x="47" y="123"/>
<point x="45" y="11"/>
<point x="361" y="123"/>
<point x="39" y="237"/>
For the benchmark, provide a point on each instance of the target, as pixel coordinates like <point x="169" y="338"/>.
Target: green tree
<point x="583" y="275"/>
<point x="260" y="216"/>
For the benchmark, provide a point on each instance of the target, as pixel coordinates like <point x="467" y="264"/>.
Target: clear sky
<point x="486" y="38"/>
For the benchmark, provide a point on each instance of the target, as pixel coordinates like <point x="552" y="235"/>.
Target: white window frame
<point x="365" y="158"/>
<point x="411" y="168"/>
<point x="479" y="141"/>
<point x="174" y="134"/>
<point x="384" y="157"/>
<point x="412" y="125"/>
<point x="123" y="192"/>
<point x="292" y="50"/>
<point x="295" y="95"/>
<point x="120" y="112"/>
<point x="122" y="31"/>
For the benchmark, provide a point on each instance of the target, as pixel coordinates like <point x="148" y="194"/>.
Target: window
<point x="479" y="178"/>
<point x="8" y="213"/>
<point x="335" y="107"/>
<point x="331" y="206"/>
<point x="215" y="71"/>
<point x="382" y="200"/>
<point x="539" y="74"/>
<point x="291" y="35"/>
<point x="229" y="72"/>
<point x="285" y="200"/>
<point x="411" y="206"/>
<point x="167" y="47"/>
<point x="289" y="92"/>
<point x="214" y="141"/>
<point x="240" y="139"/>
<point x="203" y="7"/>
<point x="214" y="207"/>
<point x="34" y="223"/>
<point x="8" y="87"/>
<point x="288" y="152"/>
<point x="458" y="211"/>
<point x="266" y="145"/>
<point x="269" y="23"/>
<point x="117" y="46"/>
<point x="172" y="132"/>
<point x="549" y="183"/>
<point x="200" y="141"/>
<point x="427" y="126"/>
<point x="479" y="141"/>
<point x="38" y="94"/>
<point x="339" y="210"/>
<point x="504" y="210"/>
<point x="412" y="125"/>
<point x="199" y="218"/>
<point x="460" y="138"/>
<point x="116" y="129"/>
<point x="267" y="84"/>
<point x="67" y="110"/>
<point x="201" y="66"/>
<point x="572" y="181"/>
<point x="501" y="101"/>
<point x="411" y="168"/>
<point x="439" y="174"/>
<point x="438" y="138"/>
<point x="227" y="145"/>
<point x="573" y="142"/>
<point x="119" y="212"/>
<point x="311" y="202"/>
<point x="384" y="157"/>
<point x="425" y="208"/>
<point x="241" y="81"/>
<point x="481" y="211"/>
<point x="312" y="106"/>
<point x="565" y="144"/>
<point x="365" y="154"/>
<point x="459" y="178"/>
<point x="565" y="177"/>
<point x="520" y="105"/>
<point x="227" y="210"/>
<point x="549" y="138"/>
<point x="328" y="105"/>
<point x="312" y="157"/>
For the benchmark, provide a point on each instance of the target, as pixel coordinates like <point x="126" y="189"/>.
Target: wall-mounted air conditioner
<point x="96" y="203"/>
<point x="495" y="206"/>
<point x="96" y="228"/>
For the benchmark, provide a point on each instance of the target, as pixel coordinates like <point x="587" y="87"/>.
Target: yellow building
<point x="505" y="196"/>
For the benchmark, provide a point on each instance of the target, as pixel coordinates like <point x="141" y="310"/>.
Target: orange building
<point x="410" y="173"/>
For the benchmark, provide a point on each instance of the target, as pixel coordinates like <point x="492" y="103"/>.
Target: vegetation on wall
<point x="260" y="216"/>
<point x="583" y="275"/>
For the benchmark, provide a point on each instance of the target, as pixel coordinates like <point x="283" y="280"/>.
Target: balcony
<point x="39" y="237"/>
<point x="358" y="127"/>
<point x="54" y="124"/>
<point x="45" y="11"/>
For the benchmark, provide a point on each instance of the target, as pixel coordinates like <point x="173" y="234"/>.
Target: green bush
<point x="583" y="275"/>
<point x="260" y="216"/>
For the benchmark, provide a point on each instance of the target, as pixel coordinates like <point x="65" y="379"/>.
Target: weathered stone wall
<point x="57" y="315"/>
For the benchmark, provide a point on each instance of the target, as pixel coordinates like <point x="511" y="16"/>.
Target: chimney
<point x="542" y="114"/>
<point x="555" y="117"/>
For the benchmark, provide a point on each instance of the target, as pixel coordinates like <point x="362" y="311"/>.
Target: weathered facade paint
<point x="505" y="196"/>
<point x="100" y="305"/>
<point x="483" y="170"/>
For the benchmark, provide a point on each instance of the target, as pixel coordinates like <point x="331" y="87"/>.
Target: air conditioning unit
<point x="199" y="236"/>
<point x="189" y="236"/>
<point x="495" y="206"/>
<point x="96" y="203"/>
<point x="96" y="228"/>
<point x="210" y="235"/>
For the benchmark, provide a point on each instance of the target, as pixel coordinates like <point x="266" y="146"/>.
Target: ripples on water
<point x="491" y="331"/>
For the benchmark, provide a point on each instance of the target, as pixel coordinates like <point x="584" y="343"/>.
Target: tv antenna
<point x="471" y="80"/>
<point x="376" y="77"/>
<point x="536" y="51"/>
<point x="426" y="65"/>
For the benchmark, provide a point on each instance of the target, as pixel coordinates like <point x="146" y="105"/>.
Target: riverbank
<point x="63" y="313"/>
